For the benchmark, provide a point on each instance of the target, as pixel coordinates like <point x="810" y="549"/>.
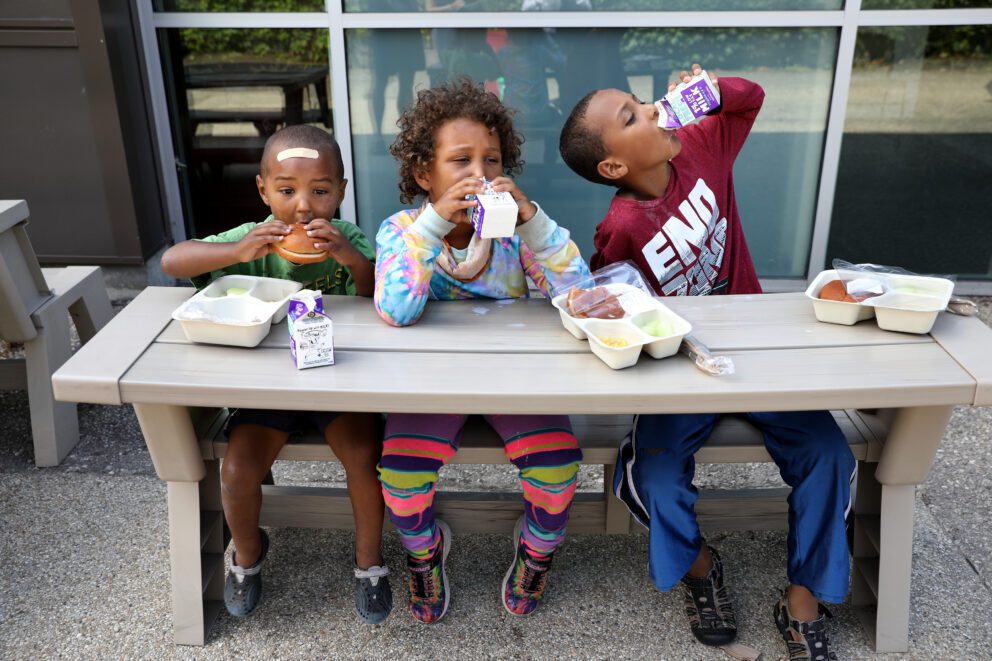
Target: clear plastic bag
<point x="864" y="281"/>
<point x="612" y="292"/>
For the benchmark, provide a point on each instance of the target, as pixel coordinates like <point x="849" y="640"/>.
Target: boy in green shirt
<point x="301" y="181"/>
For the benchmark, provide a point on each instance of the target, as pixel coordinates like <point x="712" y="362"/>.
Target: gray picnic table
<point x="514" y="357"/>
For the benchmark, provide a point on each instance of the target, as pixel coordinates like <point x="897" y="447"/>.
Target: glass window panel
<point x="543" y="73"/>
<point x="228" y="90"/>
<point x="916" y="159"/>
<point x="239" y="5"/>
<point x="588" y="5"/>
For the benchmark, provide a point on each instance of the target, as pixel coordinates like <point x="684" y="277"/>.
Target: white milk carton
<point x="311" y="333"/>
<point x="688" y="102"/>
<point x="495" y="217"/>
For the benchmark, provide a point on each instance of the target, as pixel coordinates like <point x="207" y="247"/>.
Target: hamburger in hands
<point x="298" y="248"/>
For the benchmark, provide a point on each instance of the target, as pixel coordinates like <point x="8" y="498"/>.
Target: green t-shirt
<point x="327" y="276"/>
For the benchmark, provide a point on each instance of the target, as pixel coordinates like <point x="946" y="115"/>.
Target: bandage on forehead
<point x="297" y="152"/>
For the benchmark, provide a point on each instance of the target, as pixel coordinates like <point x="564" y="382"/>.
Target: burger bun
<point x="836" y="291"/>
<point x="298" y="248"/>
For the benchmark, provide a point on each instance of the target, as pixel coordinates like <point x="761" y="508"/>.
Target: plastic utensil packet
<point x="962" y="307"/>
<point x="704" y="359"/>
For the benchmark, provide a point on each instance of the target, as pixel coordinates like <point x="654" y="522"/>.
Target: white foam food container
<point x="911" y="303"/>
<point x="235" y="310"/>
<point x="641" y="309"/>
<point x="835" y="312"/>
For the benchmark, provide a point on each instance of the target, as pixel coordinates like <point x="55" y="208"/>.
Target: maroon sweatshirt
<point x="690" y="241"/>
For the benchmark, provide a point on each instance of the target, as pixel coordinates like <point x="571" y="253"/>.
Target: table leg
<point x="197" y="532"/>
<point x="884" y="520"/>
<point x="617" y="516"/>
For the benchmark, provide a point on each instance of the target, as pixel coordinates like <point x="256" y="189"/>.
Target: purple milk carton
<point x="311" y="336"/>
<point x="687" y="102"/>
<point x="495" y="217"/>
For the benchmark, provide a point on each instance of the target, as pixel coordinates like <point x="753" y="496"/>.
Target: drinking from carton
<point x="688" y="102"/>
<point x="452" y="138"/>
<point x="495" y="217"/>
<point x="675" y="215"/>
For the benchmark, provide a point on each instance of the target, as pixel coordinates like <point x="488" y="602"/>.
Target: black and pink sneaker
<point x="525" y="580"/>
<point x="429" y="594"/>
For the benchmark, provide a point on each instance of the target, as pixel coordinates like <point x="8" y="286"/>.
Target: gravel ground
<point x="84" y="570"/>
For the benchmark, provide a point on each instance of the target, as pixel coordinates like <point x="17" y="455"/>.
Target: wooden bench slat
<point x="733" y="440"/>
<point x="476" y="512"/>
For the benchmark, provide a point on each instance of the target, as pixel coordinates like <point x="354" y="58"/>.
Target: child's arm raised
<point x="740" y="101"/>
<point x="407" y="250"/>
<point x="192" y="258"/>
<point x="547" y="253"/>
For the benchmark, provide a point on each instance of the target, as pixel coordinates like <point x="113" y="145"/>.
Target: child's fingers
<point x="671" y="86"/>
<point x="268" y="237"/>
<point x="274" y="228"/>
<point x="696" y="69"/>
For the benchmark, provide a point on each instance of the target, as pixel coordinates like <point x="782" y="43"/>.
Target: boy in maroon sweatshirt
<point x="675" y="215"/>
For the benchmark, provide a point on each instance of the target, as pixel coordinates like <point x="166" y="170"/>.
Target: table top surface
<point x="485" y="356"/>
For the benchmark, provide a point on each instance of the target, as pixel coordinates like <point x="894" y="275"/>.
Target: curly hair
<point x="460" y="99"/>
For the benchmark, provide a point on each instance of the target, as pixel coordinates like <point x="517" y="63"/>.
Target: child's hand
<point x="527" y="208"/>
<point x="685" y="77"/>
<point x="452" y="204"/>
<point x="329" y="238"/>
<point x="259" y="241"/>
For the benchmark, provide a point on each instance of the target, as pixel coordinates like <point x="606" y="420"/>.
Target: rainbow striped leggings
<point x="416" y="445"/>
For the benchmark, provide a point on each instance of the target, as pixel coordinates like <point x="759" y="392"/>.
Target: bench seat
<point x="733" y="441"/>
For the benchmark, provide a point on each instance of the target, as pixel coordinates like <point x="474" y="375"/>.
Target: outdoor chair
<point x="35" y="306"/>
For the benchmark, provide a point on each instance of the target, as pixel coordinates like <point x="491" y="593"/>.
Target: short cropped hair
<point x="460" y="99"/>
<point x="581" y="145"/>
<point x="304" y="135"/>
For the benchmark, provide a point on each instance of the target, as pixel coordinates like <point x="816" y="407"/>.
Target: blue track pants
<point x="655" y="467"/>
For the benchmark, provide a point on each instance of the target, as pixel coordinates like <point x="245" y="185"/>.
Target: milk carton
<point x="495" y="217"/>
<point x="687" y="102"/>
<point x="311" y="340"/>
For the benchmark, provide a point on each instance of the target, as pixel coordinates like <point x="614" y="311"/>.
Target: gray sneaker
<point x="373" y="597"/>
<point x="243" y="586"/>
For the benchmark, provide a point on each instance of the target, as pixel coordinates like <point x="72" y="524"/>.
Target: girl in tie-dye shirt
<point x="450" y="139"/>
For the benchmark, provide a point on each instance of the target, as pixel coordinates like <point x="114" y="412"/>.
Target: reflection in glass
<point x="600" y="5"/>
<point x="542" y="73"/>
<point x="239" y="5"/>
<point x="925" y="4"/>
<point x="916" y="159"/>
<point x="229" y="90"/>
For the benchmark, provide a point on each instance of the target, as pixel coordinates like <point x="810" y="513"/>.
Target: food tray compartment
<point x="632" y="299"/>
<point x="641" y="309"/>
<point x="836" y="312"/>
<point x="673" y="328"/>
<point x="602" y="331"/>
<point x="239" y="320"/>
<point x="911" y="303"/>
<point x="236" y="310"/>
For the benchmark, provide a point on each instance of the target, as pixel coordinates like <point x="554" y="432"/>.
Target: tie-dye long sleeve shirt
<point x="409" y="242"/>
